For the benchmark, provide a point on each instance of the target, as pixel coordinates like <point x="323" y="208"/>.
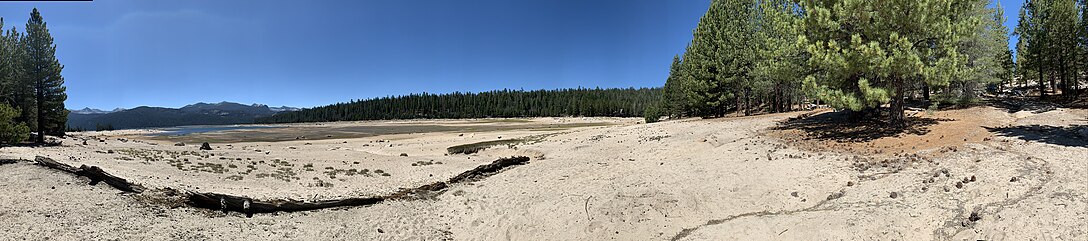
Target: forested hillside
<point x="221" y="113"/>
<point x="628" y="102"/>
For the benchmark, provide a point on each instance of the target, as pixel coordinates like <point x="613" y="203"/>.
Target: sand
<point x="718" y="179"/>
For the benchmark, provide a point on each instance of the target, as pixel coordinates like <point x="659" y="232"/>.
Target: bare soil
<point x="978" y="173"/>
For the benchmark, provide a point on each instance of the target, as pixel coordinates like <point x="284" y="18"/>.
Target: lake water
<point x="185" y="130"/>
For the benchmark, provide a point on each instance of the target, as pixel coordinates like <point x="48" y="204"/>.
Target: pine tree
<point x="43" y="68"/>
<point x="868" y="53"/>
<point x="21" y="96"/>
<point x="11" y="131"/>
<point x="779" y="58"/>
<point x="985" y="50"/>
<point x="673" y="102"/>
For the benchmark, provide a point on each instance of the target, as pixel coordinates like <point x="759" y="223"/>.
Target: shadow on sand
<point x="1074" y="136"/>
<point x="844" y="127"/>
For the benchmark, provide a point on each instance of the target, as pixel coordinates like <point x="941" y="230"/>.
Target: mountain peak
<point x="194" y="114"/>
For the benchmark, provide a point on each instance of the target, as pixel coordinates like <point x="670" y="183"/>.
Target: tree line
<point x="1053" y="45"/>
<point x="759" y="56"/>
<point x="32" y="91"/>
<point x="626" y="102"/>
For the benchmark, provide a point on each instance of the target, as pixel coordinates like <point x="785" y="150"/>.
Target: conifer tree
<point x="21" y="95"/>
<point x="44" y="70"/>
<point x="673" y="103"/>
<point x="11" y="131"/>
<point x="867" y="53"/>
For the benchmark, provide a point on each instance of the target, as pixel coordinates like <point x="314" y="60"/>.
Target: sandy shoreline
<point x="729" y="178"/>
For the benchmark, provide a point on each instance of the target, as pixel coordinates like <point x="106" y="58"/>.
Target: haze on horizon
<point x="123" y="54"/>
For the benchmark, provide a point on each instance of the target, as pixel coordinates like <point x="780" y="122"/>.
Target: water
<point x="185" y="130"/>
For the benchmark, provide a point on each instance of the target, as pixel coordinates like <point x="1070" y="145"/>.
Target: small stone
<point x="894" y="195"/>
<point x="404" y="154"/>
<point x="179" y="144"/>
<point x="1013" y="179"/>
<point x="850" y="183"/>
<point x="794" y="194"/>
<point x="959" y="185"/>
<point x="380" y="231"/>
<point x="972" y="178"/>
<point x="974" y="217"/>
<point x="205" y="146"/>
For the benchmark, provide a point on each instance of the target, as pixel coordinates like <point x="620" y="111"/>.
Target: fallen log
<point x="249" y="206"/>
<point x="9" y="161"/>
<point x="91" y="172"/>
<point x="488" y="169"/>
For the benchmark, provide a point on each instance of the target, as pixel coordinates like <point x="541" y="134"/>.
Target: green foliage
<point x="864" y="54"/>
<point x="1052" y="44"/>
<point x="628" y="102"/>
<point x="44" y="70"/>
<point x="30" y="78"/>
<point x="673" y="99"/>
<point x="742" y="57"/>
<point x="653" y="114"/>
<point x="10" y="131"/>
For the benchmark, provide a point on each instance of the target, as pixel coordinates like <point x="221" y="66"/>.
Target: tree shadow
<point x="1065" y="136"/>
<point x="846" y="127"/>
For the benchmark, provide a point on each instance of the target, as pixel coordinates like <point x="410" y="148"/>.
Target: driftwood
<point x="92" y="172"/>
<point x="248" y="206"/>
<point x="9" y="161"/>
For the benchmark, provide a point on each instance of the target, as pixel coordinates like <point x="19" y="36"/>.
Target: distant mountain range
<point x="221" y="113"/>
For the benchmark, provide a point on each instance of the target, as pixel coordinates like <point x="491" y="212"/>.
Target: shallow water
<point x="185" y="130"/>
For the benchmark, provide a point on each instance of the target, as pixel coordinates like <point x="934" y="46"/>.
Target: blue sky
<point x="127" y="53"/>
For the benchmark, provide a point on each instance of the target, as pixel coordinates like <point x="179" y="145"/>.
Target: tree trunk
<point x="895" y="115"/>
<point x="925" y="92"/>
<point x="1042" y="83"/>
<point x="39" y="97"/>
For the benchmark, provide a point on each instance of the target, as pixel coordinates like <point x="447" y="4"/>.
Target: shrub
<point x="11" y="132"/>
<point x="652" y="115"/>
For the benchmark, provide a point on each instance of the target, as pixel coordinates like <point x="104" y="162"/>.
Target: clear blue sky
<point x="127" y="53"/>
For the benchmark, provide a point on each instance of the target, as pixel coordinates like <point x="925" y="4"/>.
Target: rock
<point x="894" y="195"/>
<point x="404" y="154"/>
<point x="850" y="183"/>
<point x="974" y="217"/>
<point x="959" y="185"/>
<point x="109" y="151"/>
<point x="179" y="144"/>
<point x="972" y="178"/>
<point x="205" y="146"/>
<point x="794" y="194"/>
<point x="836" y="195"/>
<point x="1013" y="179"/>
